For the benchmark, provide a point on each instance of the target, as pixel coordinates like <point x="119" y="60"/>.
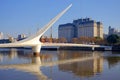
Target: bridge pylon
<point x="33" y="41"/>
<point x="36" y="49"/>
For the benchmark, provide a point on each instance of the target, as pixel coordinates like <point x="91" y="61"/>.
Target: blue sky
<point x="27" y="16"/>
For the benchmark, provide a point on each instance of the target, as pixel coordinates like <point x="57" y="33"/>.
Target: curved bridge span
<point x="34" y="42"/>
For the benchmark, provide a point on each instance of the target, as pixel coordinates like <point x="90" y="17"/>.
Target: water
<point x="20" y="64"/>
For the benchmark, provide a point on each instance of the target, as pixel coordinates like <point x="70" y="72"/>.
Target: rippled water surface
<point x="21" y="64"/>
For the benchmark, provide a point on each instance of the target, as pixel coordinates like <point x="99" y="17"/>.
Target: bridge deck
<point x="72" y="45"/>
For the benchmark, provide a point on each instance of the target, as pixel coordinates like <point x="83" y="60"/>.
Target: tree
<point x="62" y="40"/>
<point x="98" y="40"/>
<point x="55" y="40"/>
<point x="83" y="39"/>
<point x="113" y="38"/>
<point x="75" y="40"/>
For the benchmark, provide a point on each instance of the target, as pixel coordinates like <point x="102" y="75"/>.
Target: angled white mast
<point x="33" y="41"/>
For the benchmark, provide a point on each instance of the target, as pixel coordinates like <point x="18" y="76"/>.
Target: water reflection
<point x="79" y="63"/>
<point x="86" y="68"/>
<point x="113" y="59"/>
<point x="32" y="67"/>
<point x="8" y="55"/>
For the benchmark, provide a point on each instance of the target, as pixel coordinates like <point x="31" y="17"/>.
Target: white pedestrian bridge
<point x="34" y="42"/>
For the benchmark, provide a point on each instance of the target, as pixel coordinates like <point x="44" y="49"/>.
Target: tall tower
<point x="109" y="30"/>
<point x="51" y="35"/>
<point x="1" y="35"/>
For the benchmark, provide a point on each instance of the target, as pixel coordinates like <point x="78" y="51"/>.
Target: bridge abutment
<point x="36" y="50"/>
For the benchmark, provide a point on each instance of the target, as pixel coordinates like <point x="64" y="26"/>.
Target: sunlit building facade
<point x="1" y="35"/>
<point x="81" y="28"/>
<point x="88" y="28"/>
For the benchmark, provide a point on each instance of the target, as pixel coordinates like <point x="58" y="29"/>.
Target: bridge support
<point x="93" y="48"/>
<point x="36" y="50"/>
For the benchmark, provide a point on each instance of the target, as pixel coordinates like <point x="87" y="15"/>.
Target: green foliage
<point x="98" y="38"/>
<point x="113" y="39"/>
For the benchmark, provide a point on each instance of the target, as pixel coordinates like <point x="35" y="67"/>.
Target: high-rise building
<point x="113" y="31"/>
<point x="1" y="35"/>
<point x="81" y="28"/>
<point x="21" y="36"/>
<point x="88" y="28"/>
<point x="66" y="31"/>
